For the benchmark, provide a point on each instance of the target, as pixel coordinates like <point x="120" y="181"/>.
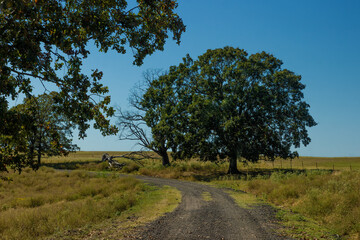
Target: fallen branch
<point x="136" y="156"/>
<point x="111" y="161"/>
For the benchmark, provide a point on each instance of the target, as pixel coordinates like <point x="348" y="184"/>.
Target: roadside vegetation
<point x="313" y="201"/>
<point x="48" y="202"/>
<point x="313" y="204"/>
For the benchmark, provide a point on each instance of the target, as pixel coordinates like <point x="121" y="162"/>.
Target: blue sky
<point x="318" y="40"/>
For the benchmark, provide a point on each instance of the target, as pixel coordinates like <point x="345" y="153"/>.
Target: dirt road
<point x="219" y="218"/>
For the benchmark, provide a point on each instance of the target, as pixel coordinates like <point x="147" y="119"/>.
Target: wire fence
<point x="303" y="163"/>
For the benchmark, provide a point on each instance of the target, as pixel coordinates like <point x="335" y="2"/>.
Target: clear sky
<point x="319" y="40"/>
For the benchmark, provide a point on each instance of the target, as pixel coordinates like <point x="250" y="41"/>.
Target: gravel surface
<point x="219" y="218"/>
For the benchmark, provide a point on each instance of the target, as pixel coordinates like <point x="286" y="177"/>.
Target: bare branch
<point x="133" y="9"/>
<point x="136" y="156"/>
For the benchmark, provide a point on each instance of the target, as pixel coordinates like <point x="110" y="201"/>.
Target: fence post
<point x="316" y="166"/>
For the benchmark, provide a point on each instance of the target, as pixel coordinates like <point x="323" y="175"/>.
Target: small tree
<point x="46" y="131"/>
<point x="232" y="105"/>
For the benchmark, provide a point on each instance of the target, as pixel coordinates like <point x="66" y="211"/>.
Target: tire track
<point x="219" y="218"/>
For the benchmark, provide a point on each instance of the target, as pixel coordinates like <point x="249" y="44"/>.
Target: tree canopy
<point x="230" y="105"/>
<point x="147" y="122"/>
<point x="46" y="42"/>
<point x="45" y="131"/>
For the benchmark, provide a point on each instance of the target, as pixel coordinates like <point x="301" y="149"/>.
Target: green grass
<point x="300" y="227"/>
<point x="37" y="205"/>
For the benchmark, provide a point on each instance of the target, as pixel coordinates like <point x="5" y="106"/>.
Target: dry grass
<point x="333" y="200"/>
<point x="81" y="156"/>
<point x="36" y="205"/>
<point x="339" y="163"/>
<point x="148" y="208"/>
<point x="79" y="160"/>
<point x="91" y="161"/>
<point x="318" y="198"/>
<point x="189" y="170"/>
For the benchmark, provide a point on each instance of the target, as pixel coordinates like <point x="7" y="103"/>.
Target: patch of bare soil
<point x="219" y="218"/>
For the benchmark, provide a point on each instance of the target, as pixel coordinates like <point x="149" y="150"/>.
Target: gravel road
<point x="220" y="218"/>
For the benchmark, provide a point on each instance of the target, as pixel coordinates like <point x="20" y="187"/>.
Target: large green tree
<point x="232" y="105"/>
<point x="46" y="41"/>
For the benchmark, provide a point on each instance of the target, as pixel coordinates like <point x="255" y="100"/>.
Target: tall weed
<point x="332" y="199"/>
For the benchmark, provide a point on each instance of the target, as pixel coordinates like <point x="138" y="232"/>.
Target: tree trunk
<point x="233" y="165"/>
<point x="165" y="157"/>
<point x="39" y="150"/>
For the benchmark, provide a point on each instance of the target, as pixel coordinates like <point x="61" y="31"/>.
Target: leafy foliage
<point x="13" y="147"/>
<point x="227" y="104"/>
<point x="46" y="41"/>
<point x="49" y="132"/>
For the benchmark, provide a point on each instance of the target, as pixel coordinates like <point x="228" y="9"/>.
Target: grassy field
<point x="314" y="201"/>
<point x="48" y="202"/>
<point x="81" y="156"/>
<point x="314" y="204"/>
<point x="339" y="163"/>
<point x="78" y="159"/>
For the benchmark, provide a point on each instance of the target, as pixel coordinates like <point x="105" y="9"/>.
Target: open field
<point x="315" y="202"/>
<point x="338" y="163"/>
<point x="35" y="205"/>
